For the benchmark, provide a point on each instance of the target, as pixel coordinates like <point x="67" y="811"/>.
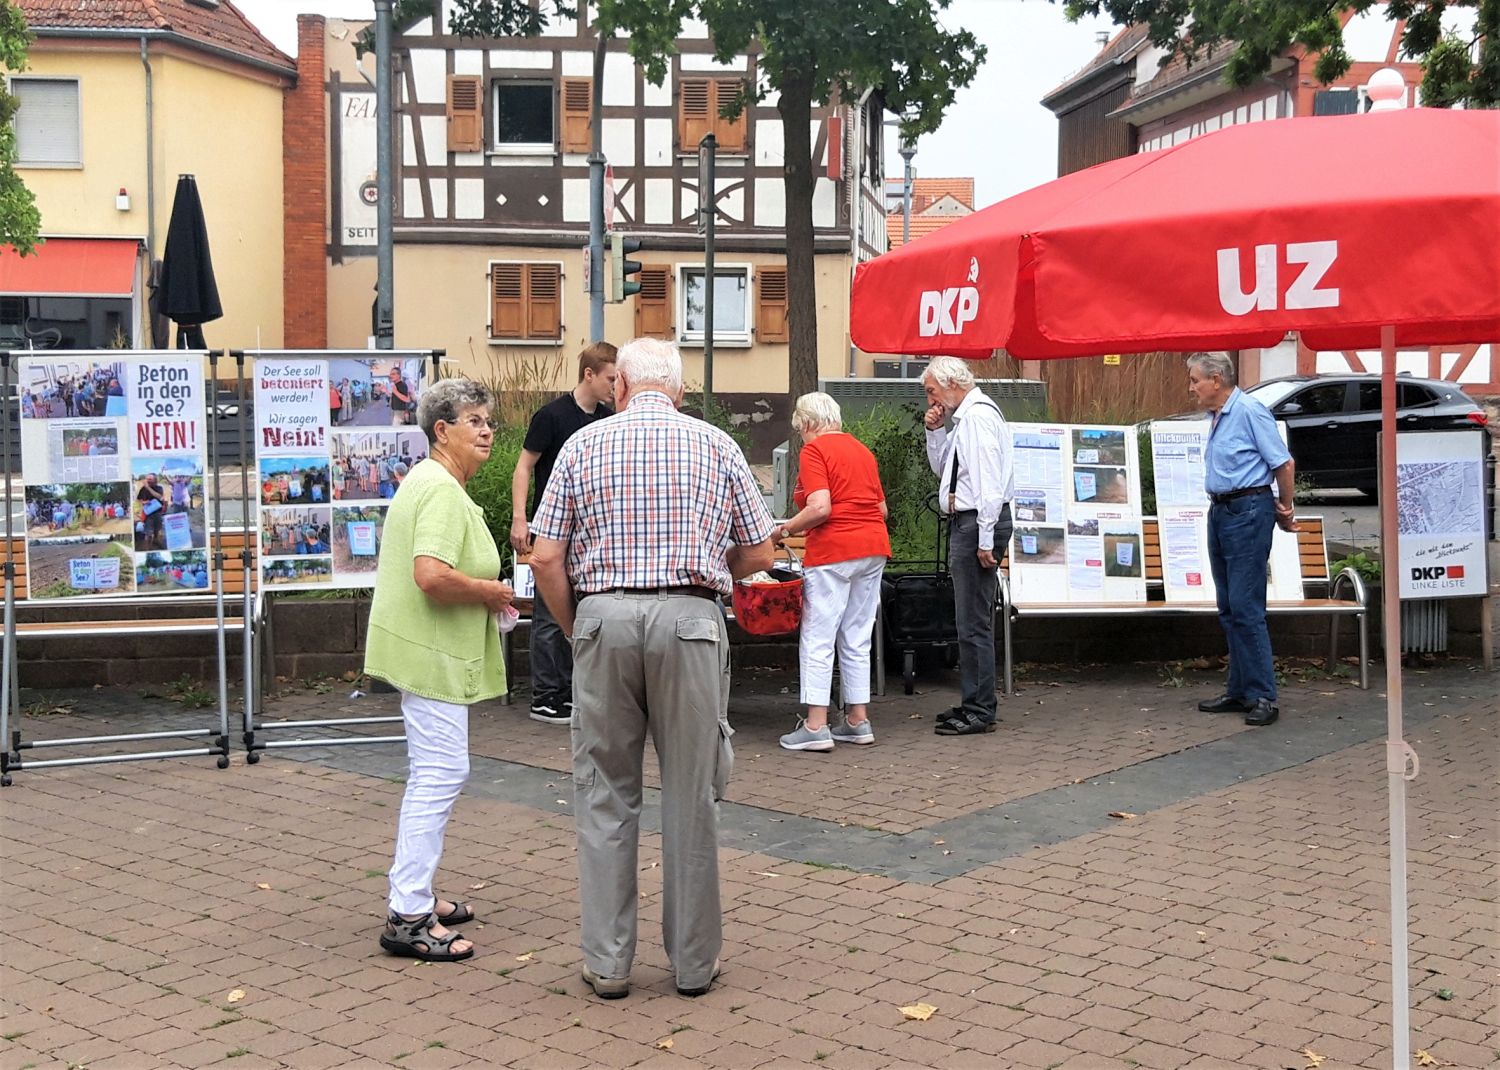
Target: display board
<point x="1077" y="528"/>
<point x="335" y="434"/>
<point x="1178" y="448"/>
<point x="113" y="463"/>
<point x="1440" y="514"/>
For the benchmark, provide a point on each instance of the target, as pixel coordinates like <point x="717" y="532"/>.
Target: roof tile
<point x="220" y="25"/>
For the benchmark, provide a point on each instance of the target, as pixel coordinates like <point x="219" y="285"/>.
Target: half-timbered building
<point x="492" y="210"/>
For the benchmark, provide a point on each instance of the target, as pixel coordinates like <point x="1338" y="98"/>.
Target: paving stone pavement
<point x="1238" y="919"/>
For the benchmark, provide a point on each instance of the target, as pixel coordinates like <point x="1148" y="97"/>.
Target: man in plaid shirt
<point x="650" y="516"/>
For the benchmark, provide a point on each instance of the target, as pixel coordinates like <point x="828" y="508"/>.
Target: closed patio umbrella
<point x="187" y="293"/>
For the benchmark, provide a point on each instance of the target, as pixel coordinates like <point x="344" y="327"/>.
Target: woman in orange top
<point x="842" y="508"/>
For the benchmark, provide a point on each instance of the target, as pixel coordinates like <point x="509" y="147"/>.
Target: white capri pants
<point x="838" y="612"/>
<point x="437" y="750"/>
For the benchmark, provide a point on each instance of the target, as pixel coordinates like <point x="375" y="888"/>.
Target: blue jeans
<point x="974" y="593"/>
<point x="1239" y="552"/>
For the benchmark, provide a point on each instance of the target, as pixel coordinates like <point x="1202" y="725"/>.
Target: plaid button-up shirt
<point x="651" y="498"/>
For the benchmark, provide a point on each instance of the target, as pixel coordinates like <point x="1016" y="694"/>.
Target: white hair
<point x="1213" y="366"/>
<point x="816" y="412"/>
<point x="949" y="372"/>
<point x="649" y="361"/>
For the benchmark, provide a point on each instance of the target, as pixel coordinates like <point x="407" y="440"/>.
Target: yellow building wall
<point x="221" y="126"/>
<point x="351" y="293"/>
<point x="442" y="301"/>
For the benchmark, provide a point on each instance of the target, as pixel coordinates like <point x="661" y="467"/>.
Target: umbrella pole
<point x="1397" y="752"/>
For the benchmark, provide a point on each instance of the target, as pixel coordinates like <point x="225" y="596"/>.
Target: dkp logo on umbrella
<point x="946" y="311"/>
<point x="1318" y="256"/>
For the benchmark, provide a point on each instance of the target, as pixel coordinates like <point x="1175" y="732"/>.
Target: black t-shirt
<point x="553" y="424"/>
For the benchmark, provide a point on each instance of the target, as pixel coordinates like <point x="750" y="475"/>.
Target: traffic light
<point x="622" y="269"/>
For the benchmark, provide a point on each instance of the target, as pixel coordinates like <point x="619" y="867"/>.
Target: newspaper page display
<point x="1178" y="448"/>
<point x="113" y="458"/>
<point x="1440" y="514"/>
<point x="1077" y="530"/>
<point x="334" y="438"/>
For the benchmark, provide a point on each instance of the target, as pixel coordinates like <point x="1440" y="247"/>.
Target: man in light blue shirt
<point x="1245" y="454"/>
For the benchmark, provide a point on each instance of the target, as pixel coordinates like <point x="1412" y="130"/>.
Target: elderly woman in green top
<point x="432" y="635"/>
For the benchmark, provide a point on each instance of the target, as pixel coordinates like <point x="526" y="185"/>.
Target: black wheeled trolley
<point x="916" y="600"/>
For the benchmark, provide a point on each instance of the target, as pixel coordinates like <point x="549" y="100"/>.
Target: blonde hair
<point x="816" y="412"/>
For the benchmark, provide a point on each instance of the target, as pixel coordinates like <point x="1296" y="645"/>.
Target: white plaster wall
<point x="468" y="198"/>
<point x="515" y="59"/>
<point x="697" y="61"/>
<point x="575" y="200"/>
<point x="659" y="202"/>
<point x="619" y="80"/>
<point x="658" y="147"/>
<point x="618" y="141"/>
<point x="468" y="61"/>
<point x="770" y="204"/>
<point x="429" y="69"/>
<point x="770" y="145"/>
<point x="578" y="64"/>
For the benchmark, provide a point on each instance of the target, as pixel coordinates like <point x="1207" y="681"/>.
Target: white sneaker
<point x="853" y="733"/>
<point x="805" y="738"/>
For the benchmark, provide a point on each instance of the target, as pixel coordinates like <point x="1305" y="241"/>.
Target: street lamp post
<point x="908" y="150"/>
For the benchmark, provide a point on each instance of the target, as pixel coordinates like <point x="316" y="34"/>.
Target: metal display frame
<point x="254" y="746"/>
<point x="11" y="740"/>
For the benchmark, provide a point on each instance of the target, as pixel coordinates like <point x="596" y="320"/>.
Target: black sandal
<point x="461" y="914"/>
<point x="414" y="940"/>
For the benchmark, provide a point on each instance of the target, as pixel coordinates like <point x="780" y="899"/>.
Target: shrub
<point x="490" y="486"/>
<point x="894" y="435"/>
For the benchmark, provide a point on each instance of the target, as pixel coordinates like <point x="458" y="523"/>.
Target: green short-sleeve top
<point x="450" y="653"/>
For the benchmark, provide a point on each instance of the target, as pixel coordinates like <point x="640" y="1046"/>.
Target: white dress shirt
<point x="980" y="447"/>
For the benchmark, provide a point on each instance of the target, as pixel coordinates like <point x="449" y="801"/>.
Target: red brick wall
<point x="304" y="126"/>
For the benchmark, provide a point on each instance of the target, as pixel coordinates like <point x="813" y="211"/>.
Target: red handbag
<point x="773" y="608"/>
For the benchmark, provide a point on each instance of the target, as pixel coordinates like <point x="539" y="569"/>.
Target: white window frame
<point x="521" y="148"/>
<point x="562" y="305"/>
<point x="729" y="339"/>
<point x="73" y="164"/>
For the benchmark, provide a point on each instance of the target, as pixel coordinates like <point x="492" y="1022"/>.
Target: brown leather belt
<point x="695" y="592"/>
<point x="1229" y="496"/>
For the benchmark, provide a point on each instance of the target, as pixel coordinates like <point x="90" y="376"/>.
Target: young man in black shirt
<point x="553" y="424"/>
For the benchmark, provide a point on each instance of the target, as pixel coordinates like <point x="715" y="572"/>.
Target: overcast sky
<point x="996" y="130"/>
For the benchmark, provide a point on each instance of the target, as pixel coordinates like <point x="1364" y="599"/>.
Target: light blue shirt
<point x="1244" y="447"/>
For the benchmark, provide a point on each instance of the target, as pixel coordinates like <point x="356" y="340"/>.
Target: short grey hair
<point x="949" y="372"/>
<point x="649" y="361"/>
<point x="445" y="399"/>
<point x="1213" y="366"/>
<point x="816" y="412"/>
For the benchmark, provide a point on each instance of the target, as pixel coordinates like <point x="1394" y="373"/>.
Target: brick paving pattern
<point x="1229" y="928"/>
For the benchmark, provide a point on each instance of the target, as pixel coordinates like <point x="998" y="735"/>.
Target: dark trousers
<point x="974" y="593"/>
<point x="551" y="659"/>
<point x="1239" y="552"/>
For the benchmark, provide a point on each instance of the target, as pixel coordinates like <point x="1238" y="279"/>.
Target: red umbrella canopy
<point x="1332" y="226"/>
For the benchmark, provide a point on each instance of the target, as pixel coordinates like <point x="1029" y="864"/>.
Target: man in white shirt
<point x="975" y="487"/>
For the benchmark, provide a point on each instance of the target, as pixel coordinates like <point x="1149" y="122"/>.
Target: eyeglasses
<point x="476" y="423"/>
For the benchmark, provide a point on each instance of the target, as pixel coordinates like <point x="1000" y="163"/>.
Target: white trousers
<point x="838" y="613"/>
<point x="437" y="751"/>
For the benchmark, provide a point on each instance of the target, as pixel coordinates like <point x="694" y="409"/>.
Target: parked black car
<point x="1333" y="421"/>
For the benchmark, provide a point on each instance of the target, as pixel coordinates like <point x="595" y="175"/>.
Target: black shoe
<point x="948" y="714"/>
<point x="1262" y="713"/>
<point x="1224" y="704"/>
<point x="703" y="989"/>
<point x="549" y="714"/>
<point x="965" y="724"/>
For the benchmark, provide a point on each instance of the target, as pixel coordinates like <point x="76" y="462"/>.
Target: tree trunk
<point x="795" y="107"/>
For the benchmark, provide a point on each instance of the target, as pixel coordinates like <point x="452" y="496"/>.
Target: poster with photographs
<point x="334" y="437"/>
<point x="113" y="458"/>
<point x="1077" y="534"/>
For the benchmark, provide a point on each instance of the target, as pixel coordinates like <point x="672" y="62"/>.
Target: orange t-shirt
<point x="841" y="464"/>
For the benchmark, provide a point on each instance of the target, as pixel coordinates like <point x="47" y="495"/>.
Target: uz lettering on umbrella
<point x="1304" y="292"/>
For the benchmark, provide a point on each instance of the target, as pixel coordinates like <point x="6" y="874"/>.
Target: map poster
<point x="1440" y="514"/>
<point x="335" y="434"/>
<point x="113" y="459"/>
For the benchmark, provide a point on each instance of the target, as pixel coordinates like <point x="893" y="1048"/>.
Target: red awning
<point x="73" y="267"/>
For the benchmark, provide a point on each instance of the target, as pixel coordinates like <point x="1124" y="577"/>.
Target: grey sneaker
<point x="805" y="738"/>
<point x="844" y="732"/>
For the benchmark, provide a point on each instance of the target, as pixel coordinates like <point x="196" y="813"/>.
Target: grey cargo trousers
<point x="656" y="662"/>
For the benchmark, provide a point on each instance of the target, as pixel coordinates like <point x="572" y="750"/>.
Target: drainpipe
<point x="150" y="155"/>
<point x="857" y="137"/>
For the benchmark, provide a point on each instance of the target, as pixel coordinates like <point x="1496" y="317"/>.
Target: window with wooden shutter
<point x="653" y="305"/>
<point x="508" y="301"/>
<point x="695" y="115"/>
<point x="770" y="310"/>
<point x="577" y="101"/>
<point x="465" y="113"/>
<point x="543" y="301"/>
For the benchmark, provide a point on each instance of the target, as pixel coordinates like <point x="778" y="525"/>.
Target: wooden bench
<point x="1313" y="558"/>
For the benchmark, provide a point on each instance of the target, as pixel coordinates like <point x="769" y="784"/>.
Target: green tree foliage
<point x="19" y="218"/>
<point x="1456" y="70"/>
